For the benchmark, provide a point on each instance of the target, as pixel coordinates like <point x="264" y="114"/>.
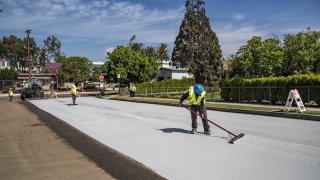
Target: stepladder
<point x="294" y="96"/>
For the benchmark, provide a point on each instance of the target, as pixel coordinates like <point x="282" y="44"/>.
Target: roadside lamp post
<point x="118" y="75"/>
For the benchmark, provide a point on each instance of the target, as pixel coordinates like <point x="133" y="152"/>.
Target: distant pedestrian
<point x="74" y="93"/>
<point x="10" y="93"/>
<point x="196" y="96"/>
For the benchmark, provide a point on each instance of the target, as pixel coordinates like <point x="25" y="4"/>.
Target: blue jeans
<point x="10" y="98"/>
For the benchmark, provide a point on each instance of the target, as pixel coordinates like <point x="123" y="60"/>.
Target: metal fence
<point x="266" y="95"/>
<point x="269" y="94"/>
<point x="170" y="92"/>
<point x="6" y="84"/>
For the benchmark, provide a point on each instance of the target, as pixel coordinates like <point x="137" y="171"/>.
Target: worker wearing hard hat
<point x="10" y="93"/>
<point x="133" y="90"/>
<point x="196" y="96"/>
<point x="74" y="93"/>
<point x="25" y="85"/>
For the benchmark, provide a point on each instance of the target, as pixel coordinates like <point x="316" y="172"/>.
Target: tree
<point x="197" y="46"/>
<point x="258" y="58"/>
<point x="8" y="74"/>
<point x="150" y="51"/>
<point x="96" y="71"/>
<point x="12" y="50"/>
<point x="295" y="54"/>
<point x="52" y="47"/>
<point x="74" y="69"/>
<point x="132" y="66"/>
<point x="301" y="52"/>
<point x="135" y="46"/>
<point x="163" y="52"/>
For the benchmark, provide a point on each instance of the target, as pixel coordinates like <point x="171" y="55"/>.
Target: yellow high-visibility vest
<point x="134" y="88"/>
<point x="25" y="85"/>
<point x="73" y="90"/>
<point x="192" y="97"/>
<point x="10" y="92"/>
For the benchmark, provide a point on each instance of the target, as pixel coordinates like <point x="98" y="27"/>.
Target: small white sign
<point x="294" y="95"/>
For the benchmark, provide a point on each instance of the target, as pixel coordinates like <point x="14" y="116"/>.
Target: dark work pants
<point x="194" y="117"/>
<point x="74" y="97"/>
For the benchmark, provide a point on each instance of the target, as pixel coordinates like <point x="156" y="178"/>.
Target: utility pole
<point x="28" y="52"/>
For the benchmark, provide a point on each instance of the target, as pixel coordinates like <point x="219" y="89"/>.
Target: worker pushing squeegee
<point x="196" y="96"/>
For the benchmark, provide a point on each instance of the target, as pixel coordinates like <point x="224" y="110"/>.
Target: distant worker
<point x="74" y="93"/>
<point x="25" y="85"/>
<point x="196" y="96"/>
<point x="133" y="90"/>
<point x="10" y="94"/>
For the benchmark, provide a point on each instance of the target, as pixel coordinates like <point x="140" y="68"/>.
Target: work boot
<point x="193" y="131"/>
<point x="207" y="131"/>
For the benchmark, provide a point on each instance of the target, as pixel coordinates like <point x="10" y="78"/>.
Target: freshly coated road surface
<point x="158" y="137"/>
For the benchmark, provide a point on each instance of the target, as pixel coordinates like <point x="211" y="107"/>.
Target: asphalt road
<point x="158" y="137"/>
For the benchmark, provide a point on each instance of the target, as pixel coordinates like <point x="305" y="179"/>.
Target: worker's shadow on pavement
<point x="179" y="130"/>
<point x="175" y="130"/>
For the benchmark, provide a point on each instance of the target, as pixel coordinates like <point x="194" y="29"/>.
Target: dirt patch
<point x="30" y="150"/>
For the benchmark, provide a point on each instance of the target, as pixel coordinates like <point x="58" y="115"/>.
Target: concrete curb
<point x="263" y="113"/>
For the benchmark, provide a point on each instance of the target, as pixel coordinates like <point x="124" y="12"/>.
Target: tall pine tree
<point x="197" y="46"/>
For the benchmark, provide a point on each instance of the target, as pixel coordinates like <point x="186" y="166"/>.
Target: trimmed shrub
<point x="273" y="89"/>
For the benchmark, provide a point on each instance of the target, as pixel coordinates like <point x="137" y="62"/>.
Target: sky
<point x="90" y="28"/>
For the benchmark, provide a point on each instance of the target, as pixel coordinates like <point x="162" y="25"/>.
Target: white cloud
<point x="239" y="16"/>
<point x="109" y="50"/>
<point x="98" y="21"/>
<point x="232" y="37"/>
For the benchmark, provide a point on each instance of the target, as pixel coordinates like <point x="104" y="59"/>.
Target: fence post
<point x="308" y="96"/>
<point x="270" y="95"/>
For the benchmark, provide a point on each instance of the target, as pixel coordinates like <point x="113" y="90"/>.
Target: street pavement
<point x="158" y="137"/>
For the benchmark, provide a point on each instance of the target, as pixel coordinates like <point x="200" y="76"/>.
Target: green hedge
<point x="171" y="85"/>
<point x="274" y="89"/>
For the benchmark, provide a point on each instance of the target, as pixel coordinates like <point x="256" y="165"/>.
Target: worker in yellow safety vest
<point x="25" y="85"/>
<point x="133" y="90"/>
<point x="196" y="97"/>
<point x="74" y="93"/>
<point x="10" y="94"/>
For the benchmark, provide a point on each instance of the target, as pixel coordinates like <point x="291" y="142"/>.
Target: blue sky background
<point x="89" y="28"/>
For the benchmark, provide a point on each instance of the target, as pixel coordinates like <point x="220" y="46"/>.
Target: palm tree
<point x="150" y="51"/>
<point x="163" y="52"/>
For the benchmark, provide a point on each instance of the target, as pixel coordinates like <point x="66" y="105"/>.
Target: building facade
<point x="167" y="71"/>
